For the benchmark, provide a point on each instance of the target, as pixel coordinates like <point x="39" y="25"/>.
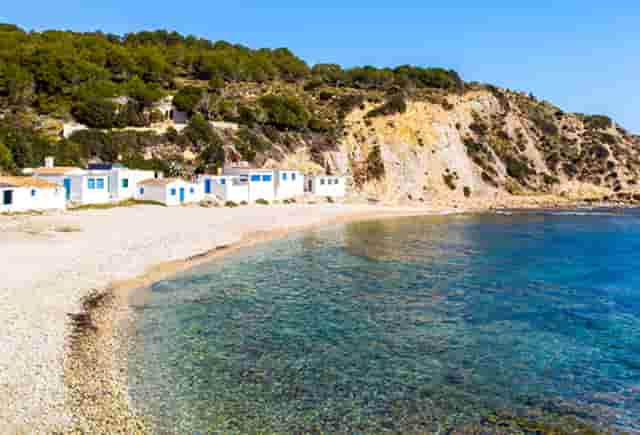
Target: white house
<point x="226" y="187"/>
<point x="18" y="194"/>
<point x="326" y="185"/>
<point x="241" y="183"/>
<point x="60" y="175"/>
<point x="169" y="191"/>
<point x="101" y="183"/>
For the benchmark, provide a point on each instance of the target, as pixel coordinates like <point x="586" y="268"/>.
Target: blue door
<point x="207" y="186"/>
<point x="67" y="188"/>
<point x="182" y="194"/>
<point x="7" y="197"/>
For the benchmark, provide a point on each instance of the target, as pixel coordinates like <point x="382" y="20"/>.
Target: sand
<point x="51" y="262"/>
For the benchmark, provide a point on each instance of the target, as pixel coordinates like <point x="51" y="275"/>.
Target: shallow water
<point x="407" y="325"/>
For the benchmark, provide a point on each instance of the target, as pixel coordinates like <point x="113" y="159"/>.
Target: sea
<point x="409" y="325"/>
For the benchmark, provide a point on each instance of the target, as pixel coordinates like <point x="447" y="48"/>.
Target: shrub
<point x="319" y="125"/>
<point x="261" y="201"/>
<point x="597" y="122"/>
<point x="396" y="104"/>
<point x="467" y="191"/>
<point x="489" y="179"/>
<point x="284" y="112"/>
<point x="244" y="203"/>
<point x="550" y="179"/>
<point x="187" y="99"/>
<point x="449" y="181"/>
<point x="517" y="168"/>
<point x="375" y="164"/>
<point x="230" y="204"/>
<point x="96" y="113"/>
<point x="330" y="200"/>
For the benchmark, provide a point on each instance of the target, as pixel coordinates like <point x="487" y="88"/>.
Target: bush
<point x="396" y="104"/>
<point x="517" y="168"/>
<point x="96" y="113"/>
<point x="319" y="125"/>
<point x="261" y="201"/>
<point x="375" y="164"/>
<point x="550" y="179"/>
<point x="467" y="191"/>
<point x="284" y="112"/>
<point x="187" y="99"/>
<point x="597" y="122"/>
<point x="449" y="180"/>
<point x="230" y="204"/>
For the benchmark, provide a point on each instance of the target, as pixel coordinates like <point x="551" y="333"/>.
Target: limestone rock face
<point x="484" y="143"/>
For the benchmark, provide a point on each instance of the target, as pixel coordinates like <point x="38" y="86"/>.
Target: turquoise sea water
<point x="400" y="326"/>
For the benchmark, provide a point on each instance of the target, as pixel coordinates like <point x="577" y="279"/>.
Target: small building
<point x="226" y="188"/>
<point x="19" y="194"/>
<point x="326" y="185"/>
<point x="60" y="175"/>
<point x="242" y="183"/>
<point x="100" y="183"/>
<point x="169" y="191"/>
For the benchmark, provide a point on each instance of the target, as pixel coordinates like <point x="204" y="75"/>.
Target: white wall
<point x="227" y="188"/>
<point x="289" y="184"/>
<point x="328" y="186"/>
<point x="83" y="194"/>
<point x="193" y="192"/>
<point x="118" y="191"/>
<point x="24" y="200"/>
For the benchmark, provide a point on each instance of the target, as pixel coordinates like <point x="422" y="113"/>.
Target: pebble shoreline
<point x="57" y="378"/>
<point x="55" y="261"/>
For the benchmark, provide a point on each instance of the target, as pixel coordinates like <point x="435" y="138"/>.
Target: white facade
<point x="245" y="184"/>
<point x="21" y="196"/>
<point x="94" y="186"/>
<point x="325" y="185"/>
<point x="169" y="192"/>
<point x="123" y="182"/>
<point x="226" y="187"/>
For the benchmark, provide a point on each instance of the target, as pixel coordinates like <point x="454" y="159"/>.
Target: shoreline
<point x="93" y="376"/>
<point x="103" y="405"/>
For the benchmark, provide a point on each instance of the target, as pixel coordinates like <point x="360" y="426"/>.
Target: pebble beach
<point x="54" y="262"/>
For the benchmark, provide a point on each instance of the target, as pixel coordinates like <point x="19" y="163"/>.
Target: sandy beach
<point x="54" y="261"/>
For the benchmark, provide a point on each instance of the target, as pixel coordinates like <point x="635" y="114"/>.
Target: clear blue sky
<point x="582" y="55"/>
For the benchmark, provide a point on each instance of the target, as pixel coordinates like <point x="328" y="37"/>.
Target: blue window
<point x="173" y="192"/>
<point x="284" y="176"/>
<point x="142" y="191"/>
<point x="255" y="178"/>
<point x="125" y="183"/>
<point x="33" y="192"/>
<point x="92" y="183"/>
<point x="293" y="176"/>
<point x="192" y="191"/>
<point x="223" y="181"/>
<point x="100" y="183"/>
<point x="267" y="178"/>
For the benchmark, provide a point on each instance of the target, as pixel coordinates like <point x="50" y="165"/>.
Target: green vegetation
<point x="467" y="191"/>
<point x="375" y="164"/>
<point x="261" y="201"/>
<point x="597" y="122"/>
<point x="395" y="104"/>
<point x="230" y="204"/>
<point x="110" y="205"/>
<point x="449" y="180"/>
<point x="284" y="112"/>
<point x="188" y="98"/>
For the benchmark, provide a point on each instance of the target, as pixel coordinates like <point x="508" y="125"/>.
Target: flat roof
<point x="26" y="182"/>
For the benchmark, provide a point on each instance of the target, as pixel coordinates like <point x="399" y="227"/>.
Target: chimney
<point x="49" y="162"/>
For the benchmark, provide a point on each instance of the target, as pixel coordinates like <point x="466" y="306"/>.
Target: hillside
<point x="407" y="134"/>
